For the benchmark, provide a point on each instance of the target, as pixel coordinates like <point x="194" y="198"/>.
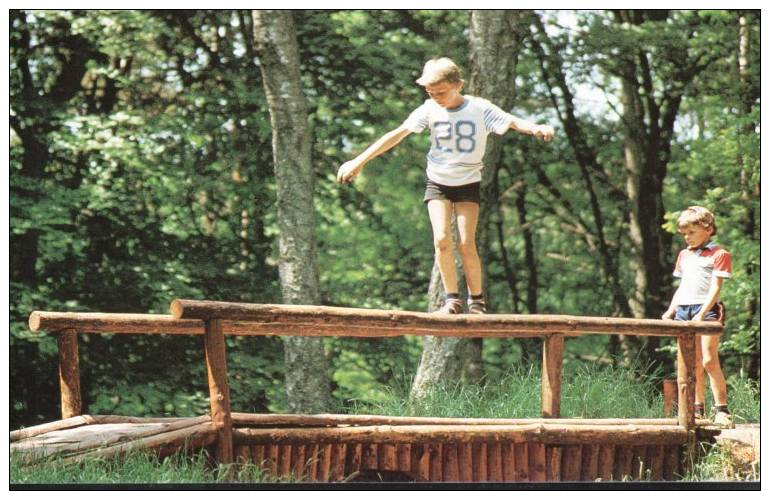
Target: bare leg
<point x="467" y="219"/>
<point x="710" y="348"/>
<point x="440" y="213"/>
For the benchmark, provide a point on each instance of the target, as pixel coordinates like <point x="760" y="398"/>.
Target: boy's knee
<point x="467" y="247"/>
<point x="443" y="244"/>
<point x="710" y="362"/>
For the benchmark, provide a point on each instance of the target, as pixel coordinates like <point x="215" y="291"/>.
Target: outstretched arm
<point x="350" y="169"/>
<point x="541" y="131"/>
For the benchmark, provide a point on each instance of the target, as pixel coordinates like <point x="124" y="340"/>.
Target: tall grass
<point x="591" y="391"/>
<point x="720" y="463"/>
<point x="135" y="467"/>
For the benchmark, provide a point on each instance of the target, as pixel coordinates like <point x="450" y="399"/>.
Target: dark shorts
<point x="457" y="194"/>
<point x="687" y="312"/>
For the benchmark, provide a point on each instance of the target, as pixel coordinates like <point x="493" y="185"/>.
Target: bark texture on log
<point x="565" y="434"/>
<point x="69" y="373"/>
<point x="345" y="321"/>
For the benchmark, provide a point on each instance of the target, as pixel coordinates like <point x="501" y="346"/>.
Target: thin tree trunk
<point x="529" y="250"/>
<point x="750" y="196"/>
<point x="307" y="379"/>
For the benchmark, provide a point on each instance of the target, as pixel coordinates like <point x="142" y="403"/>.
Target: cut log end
<point x="176" y="309"/>
<point x="34" y="321"/>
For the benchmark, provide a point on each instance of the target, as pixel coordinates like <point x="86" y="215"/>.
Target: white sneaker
<point x="723" y="419"/>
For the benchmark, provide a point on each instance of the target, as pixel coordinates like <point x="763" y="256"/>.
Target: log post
<point x="685" y="376"/>
<point x="669" y="396"/>
<point x="69" y="373"/>
<point x="550" y="389"/>
<point x="219" y="392"/>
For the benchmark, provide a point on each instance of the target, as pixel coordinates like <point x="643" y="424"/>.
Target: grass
<point x="593" y="391"/>
<point x="724" y="463"/>
<point x="590" y="391"/>
<point x="134" y="468"/>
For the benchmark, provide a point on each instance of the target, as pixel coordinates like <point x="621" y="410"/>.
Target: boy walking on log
<point x="702" y="267"/>
<point x="459" y="126"/>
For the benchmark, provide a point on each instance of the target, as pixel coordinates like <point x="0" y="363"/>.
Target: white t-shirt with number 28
<point x="458" y="137"/>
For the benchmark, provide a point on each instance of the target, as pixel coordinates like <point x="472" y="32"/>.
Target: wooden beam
<point x="219" y="392"/>
<point x="342" y="321"/>
<point x="669" y="396"/>
<point x="277" y="420"/>
<point x="113" y="433"/>
<point x="293" y="320"/>
<point x="191" y="437"/>
<point x="686" y="380"/>
<point x="435" y="434"/>
<point x="685" y="364"/>
<point x="112" y="323"/>
<point x="61" y="424"/>
<point x="101" y="323"/>
<point x="550" y="388"/>
<point x="69" y="373"/>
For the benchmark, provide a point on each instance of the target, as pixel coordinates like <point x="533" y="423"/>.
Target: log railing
<point x="214" y="320"/>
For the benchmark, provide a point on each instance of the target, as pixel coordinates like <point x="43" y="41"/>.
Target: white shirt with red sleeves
<point x="696" y="267"/>
<point x="458" y="137"/>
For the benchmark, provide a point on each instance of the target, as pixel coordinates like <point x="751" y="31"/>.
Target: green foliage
<point x="141" y="171"/>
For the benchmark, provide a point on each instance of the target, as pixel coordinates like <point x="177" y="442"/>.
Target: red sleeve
<point x="723" y="265"/>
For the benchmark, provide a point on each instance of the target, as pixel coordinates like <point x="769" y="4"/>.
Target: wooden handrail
<point x="317" y="320"/>
<point x="302" y="320"/>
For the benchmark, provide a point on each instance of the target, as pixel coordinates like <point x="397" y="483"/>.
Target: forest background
<point x="142" y="169"/>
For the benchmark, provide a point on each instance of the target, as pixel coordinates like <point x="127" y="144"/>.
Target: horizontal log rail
<point x="562" y="434"/>
<point x="296" y="320"/>
<point x="104" y="323"/>
<point x="329" y="420"/>
<point x="342" y="321"/>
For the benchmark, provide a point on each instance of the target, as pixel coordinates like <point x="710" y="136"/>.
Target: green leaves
<point x="151" y="178"/>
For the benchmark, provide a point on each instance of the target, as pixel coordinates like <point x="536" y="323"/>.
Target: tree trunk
<point x="648" y="123"/>
<point x="307" y="378"/>
<point x="441" y="356"/>
<point x="750" y="195"/>
<point x="494" y="43"/>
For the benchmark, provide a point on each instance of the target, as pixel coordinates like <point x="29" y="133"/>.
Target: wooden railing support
<point x="219" y="391"/>
<point x="669" y="396"/>
<point x="550" y="388"/>
<point x="685" y="376"/>
<point x="69" y="373"/>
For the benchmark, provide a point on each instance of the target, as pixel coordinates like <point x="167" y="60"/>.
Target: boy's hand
<point x="544" y="132"/>
<point x="698" y="317"/>
<point x="348" y="171"/>
<point x="669" y="314"/>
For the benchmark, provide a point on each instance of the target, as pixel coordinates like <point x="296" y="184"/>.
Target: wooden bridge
<point x="343" y="447"/>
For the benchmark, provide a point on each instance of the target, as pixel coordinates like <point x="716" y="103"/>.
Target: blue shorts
<point x="687" y="312"/>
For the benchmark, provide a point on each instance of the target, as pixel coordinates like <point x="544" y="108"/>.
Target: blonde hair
<point x="697" y="215"/>
<point x="440" y="70"/>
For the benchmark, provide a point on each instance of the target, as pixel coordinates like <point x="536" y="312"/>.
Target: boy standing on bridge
<point x="459" y="126"/>
<point x="702" y="267"/>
